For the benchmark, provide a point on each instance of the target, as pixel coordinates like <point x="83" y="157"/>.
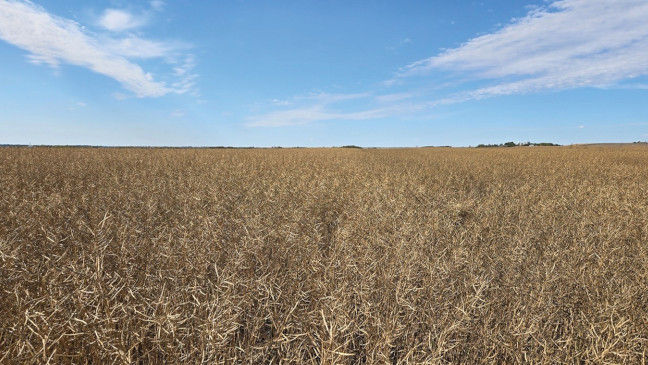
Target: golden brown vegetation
<point x="324" y="256"/>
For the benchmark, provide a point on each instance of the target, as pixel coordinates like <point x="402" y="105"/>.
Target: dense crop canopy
<point x="332" y="255"/>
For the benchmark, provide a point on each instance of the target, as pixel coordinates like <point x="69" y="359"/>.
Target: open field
<point x="324" y="255"/>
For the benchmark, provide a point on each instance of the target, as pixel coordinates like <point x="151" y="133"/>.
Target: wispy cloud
<point x="388" y="98"/>
<point x="118" y="20"/>
<point x="186" y="77"/>
<point x="326" y="107"/>
<point x="304" y="109"/>
<point x="312" y="99"/>
<point x="295" y="116"/>
<point x="77" y="105"/>
<point x="53" y="40"/>
<point x="567" y="44"/>
<point x="133" y="46"/>
<point x="157" y="5"/>
<point x="326" y="98"/>
<point x="563" y="45"/>
<point x="177" y="113"/>
<point x="316" y="113"/>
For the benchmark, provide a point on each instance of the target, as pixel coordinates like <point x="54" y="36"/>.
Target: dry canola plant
<point x="349" y="256"/>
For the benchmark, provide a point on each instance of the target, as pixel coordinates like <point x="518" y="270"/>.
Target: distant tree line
<point x="513" y="144"/>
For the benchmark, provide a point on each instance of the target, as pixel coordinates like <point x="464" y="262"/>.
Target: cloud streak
<point x="54" y="40"/>
<point x="325" y="107"/>
<point x="136" y="47"/>
<point x="317" y="113"/>
<point x="567" y="44"/>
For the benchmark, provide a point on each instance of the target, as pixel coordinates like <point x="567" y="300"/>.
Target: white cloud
<point x="565" y="44"/>
<point x="313" y="114"/>
<point x="289" y="117"/>
<point x="387" y="98"/>
<point x="305" y="109"/>
<point x="177" y="114"/>
<point x="280" y="102"/>
<point x="328" y="98"/>
<point x="188" y="64"/>
<point x="54" y="40"/>
<point x="136" y="47"/>
<point x="318" y="98"/>
<point x="117" y="20"/>
<point x="77" y="105"/>
<point x="187" y="78"/>
<point x="321" y="107"/>
<point x="568" y="44"/>
<point x="157" y="5"/>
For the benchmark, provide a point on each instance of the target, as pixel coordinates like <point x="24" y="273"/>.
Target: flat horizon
<point x="295" y="73"/>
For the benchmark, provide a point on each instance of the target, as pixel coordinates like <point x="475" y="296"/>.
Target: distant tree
<point x="513" y="144"/>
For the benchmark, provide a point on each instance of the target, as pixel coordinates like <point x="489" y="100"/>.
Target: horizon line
<point x="518" y="144"/>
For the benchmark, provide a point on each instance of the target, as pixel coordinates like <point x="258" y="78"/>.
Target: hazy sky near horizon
<point x="323" y="73"/>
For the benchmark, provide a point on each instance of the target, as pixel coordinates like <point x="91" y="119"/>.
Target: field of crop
<point x="324" y="255"/>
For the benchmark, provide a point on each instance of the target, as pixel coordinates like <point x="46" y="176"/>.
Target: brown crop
<point x="435" y="255"/>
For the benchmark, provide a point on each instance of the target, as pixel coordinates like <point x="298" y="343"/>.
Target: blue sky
<point x="323" y="73"/>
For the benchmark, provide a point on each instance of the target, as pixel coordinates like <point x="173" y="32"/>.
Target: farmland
<point x="428" y="255"/>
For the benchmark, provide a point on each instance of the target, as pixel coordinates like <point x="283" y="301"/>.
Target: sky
<point x="322" y="73"/>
